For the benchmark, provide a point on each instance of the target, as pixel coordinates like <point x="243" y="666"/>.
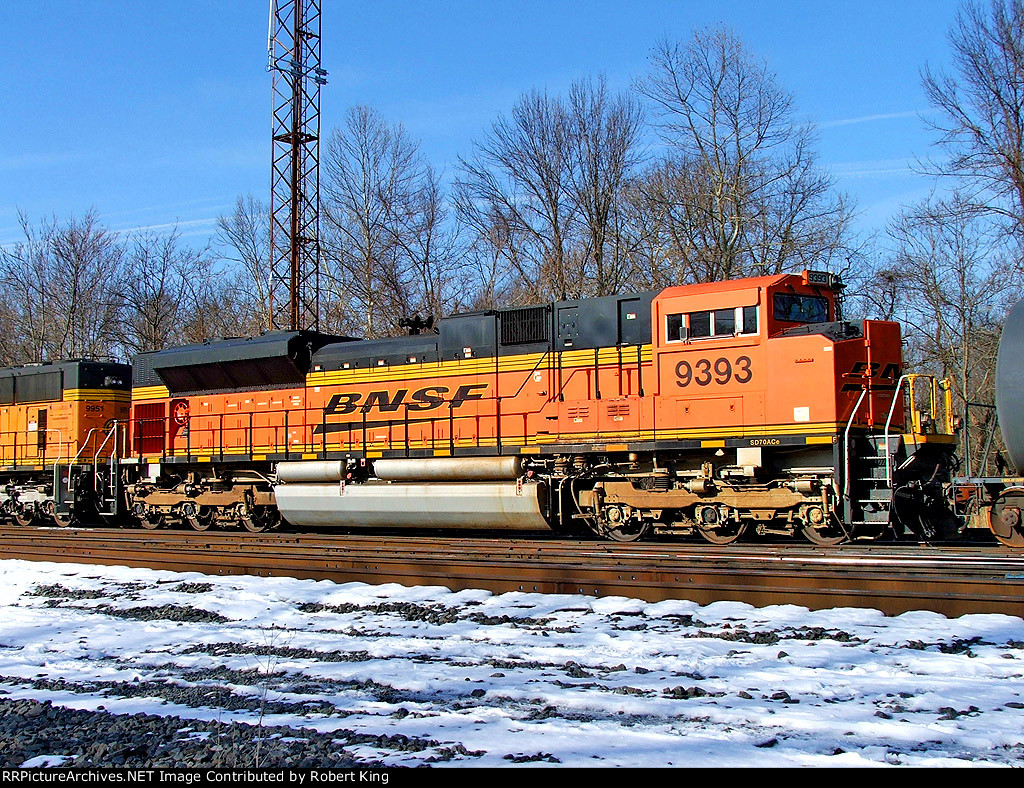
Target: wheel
<point x="620" y="524"/>
<point x="1006" y="520"/>
<point x="710" y="525"/>
<point x="724" y="533"/>
<point x="65" y="520"/>
<point x="628" y="532"/>
<point x="151" y="521"/>
<point x="826" y="537"/>
<point x="25" y="516"/>
<point x="260" y="518"/>
<point x="199" y="518"/>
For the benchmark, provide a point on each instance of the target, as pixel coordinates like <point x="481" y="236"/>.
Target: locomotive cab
<point x="771" y="411"/>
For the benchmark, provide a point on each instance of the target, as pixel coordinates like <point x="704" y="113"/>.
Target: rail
<point x="889" y="578"/>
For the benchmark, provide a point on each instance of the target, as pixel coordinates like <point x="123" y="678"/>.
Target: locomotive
<point x="708" y="409"/>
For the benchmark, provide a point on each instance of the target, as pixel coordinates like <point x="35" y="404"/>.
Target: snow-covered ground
<point x="409" y="676"/>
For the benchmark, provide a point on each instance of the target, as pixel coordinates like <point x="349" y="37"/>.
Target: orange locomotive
<point x="706" y="408"/>
<point x="55" y="437"/>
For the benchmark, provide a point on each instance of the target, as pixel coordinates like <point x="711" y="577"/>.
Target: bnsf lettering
<point x="426" y="398"/>
<point x="379" y="399"/>
<point x="342" y="403"/>
<point x="862" y="367"/>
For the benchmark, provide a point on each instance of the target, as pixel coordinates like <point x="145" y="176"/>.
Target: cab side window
<point x="676" y="330"/>
<point x="711" y="324"/>
<point x="700" y="325"/>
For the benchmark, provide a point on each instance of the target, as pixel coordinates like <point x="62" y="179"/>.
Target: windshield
<point x="793" y="308"/>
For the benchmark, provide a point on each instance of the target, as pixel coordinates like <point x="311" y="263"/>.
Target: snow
<point x="520" y="678"/>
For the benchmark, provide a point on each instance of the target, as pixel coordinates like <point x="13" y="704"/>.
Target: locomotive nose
<point x="1010" y="384"/>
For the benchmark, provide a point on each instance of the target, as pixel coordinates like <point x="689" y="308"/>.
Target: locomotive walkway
<point x="893" y="579"/>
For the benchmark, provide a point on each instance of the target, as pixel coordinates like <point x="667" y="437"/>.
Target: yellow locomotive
<point x="55" y="422"/>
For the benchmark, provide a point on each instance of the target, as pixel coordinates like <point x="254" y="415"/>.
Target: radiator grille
<point x="519" y="326"/>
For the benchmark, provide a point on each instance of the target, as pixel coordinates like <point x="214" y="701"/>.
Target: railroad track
<point x="893" y="579"/>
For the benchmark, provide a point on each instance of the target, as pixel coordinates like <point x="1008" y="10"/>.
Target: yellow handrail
<point x="934" y="384"/>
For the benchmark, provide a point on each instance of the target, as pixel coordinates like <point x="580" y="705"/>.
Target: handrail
<point x="85" y="444"/>
<point x="888" y="422"/>
<point x="60" y="454"/>
<point x="846" y="446"/>
<point x="112" y="432"/>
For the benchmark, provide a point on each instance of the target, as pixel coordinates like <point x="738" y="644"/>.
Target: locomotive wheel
<point x="199" y="518"/>
<point x="725" y="533"/>
<point x="25" y="516"/>
<point x="151" y="521"/>
<point x="826" y="537"/>
<point x="628" y="532"/>
<point x="1006" y="519"/>
<point x="257" y="519"/>
<point x="65" y="520"/>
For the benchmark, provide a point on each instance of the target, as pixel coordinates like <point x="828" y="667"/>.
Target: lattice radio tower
<point x="294" y="59"/>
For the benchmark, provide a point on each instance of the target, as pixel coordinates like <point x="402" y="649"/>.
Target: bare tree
<point x="385" y="245"/>
<point x="66" y="285"/>
<point x="981" y="109"/>
<point x="517" y="183"/>
<point x="949" y="282"/>
<point x="603" y="145"/>
<point x="244" y="237"/>
<point x="428" y="245"/>
<point x="740" y="188"/>
<point x="169" y="289"/>
<point x="543" y="193"/>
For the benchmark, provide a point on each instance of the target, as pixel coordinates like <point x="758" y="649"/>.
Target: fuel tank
<point x="496" y="505"/>
<point x="1010" y="385"/>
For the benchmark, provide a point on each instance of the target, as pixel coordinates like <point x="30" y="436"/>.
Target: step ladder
<point x="869" y="497"/>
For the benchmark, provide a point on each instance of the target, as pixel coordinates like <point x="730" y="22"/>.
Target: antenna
<point x="294" y="59"/>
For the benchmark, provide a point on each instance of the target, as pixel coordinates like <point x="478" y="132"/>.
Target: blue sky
<point x="158" y="113"/>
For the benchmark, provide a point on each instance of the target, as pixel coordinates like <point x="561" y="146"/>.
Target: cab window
<point x="700" y="325"/>
<point x="795" y="308"/>
<point x="710" y="324"/>
<point x="676" y="330"/>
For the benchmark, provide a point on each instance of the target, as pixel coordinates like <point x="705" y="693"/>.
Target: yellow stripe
<point x="709" y="438"/>
<point x="917" y="437"/>
<point x="150" y="392"/>
<point x="111" y="395"/>
<point x="529" y="362"/>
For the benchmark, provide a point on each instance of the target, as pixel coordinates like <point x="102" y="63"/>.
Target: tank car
<point x="705" y="409"/>
<point x="56" y="439"/>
